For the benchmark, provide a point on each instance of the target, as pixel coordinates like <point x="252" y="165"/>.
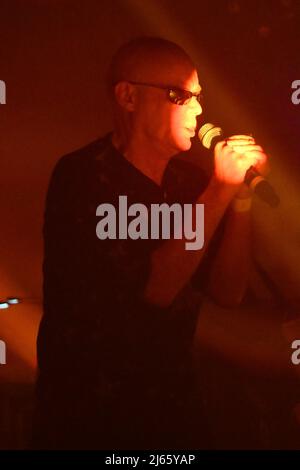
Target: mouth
<point x="191" y="130"/>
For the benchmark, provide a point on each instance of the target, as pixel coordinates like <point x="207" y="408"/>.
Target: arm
<point x="230" y="269"/>
<point x="171" y="265"/>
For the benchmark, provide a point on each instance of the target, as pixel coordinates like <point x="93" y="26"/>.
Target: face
<point x="167" y="126"/>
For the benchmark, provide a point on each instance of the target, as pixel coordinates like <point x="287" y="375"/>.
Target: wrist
<point x="239" y="204"/>
<point x="222" y="191"/>
<point x="244" y="192"/>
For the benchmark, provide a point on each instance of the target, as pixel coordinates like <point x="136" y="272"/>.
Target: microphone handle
<point x="261" y="187"/>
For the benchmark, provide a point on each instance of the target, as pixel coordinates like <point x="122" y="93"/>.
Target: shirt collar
<point x="135" y="178"/>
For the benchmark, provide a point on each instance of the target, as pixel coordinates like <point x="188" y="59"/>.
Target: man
<point x="114" y="344"/>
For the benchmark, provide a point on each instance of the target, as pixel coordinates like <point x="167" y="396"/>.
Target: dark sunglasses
<point x="175" y="95"/>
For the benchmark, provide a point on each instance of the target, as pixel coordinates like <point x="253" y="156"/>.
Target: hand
<point x="234" y="156"/>
<point x="262" y="164"/>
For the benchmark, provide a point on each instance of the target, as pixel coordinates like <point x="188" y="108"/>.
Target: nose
<point x="196" y="106"/>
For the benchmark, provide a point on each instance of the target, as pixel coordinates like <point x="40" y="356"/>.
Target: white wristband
<point x="241" y="205"/>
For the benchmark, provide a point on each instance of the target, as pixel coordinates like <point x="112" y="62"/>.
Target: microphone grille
<point x="207" y="133"/>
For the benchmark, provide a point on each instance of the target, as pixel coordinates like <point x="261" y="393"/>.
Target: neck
<point x="143" y="154"/>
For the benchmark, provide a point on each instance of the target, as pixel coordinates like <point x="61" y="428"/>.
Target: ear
<point x="125" y="95"/>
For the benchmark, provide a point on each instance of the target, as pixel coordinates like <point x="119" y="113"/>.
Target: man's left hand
<point x="262" y="164"/>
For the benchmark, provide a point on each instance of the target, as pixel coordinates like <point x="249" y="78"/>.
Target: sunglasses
<point x="175" y="95"/>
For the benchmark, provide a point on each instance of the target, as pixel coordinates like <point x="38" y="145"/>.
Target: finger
<point x="246" y="163"/>
<point x="220" y="145"/>
<point x="257" y="154"/>
<point x="250" y="156"/>
<point x="263" y="167"/>
<point x="221" y="148"/>
<point x="242" y="138"/>
<point x="242" y="148"/>
<point x="253" y="152"/>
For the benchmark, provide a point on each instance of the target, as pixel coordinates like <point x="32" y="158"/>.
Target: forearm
<point x="230" y="270"/>
<point x="172" y="265"/>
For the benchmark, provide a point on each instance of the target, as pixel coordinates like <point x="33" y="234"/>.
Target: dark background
<point x="53" y="58"/>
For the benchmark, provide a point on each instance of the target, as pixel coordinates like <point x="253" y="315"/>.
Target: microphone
<point x="210" y="135"/>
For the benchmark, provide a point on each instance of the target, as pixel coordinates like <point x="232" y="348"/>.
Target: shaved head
<point x="140" y="78"/>
<point x="146" y="57"/>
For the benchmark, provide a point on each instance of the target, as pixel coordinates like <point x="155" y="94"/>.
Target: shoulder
<point x="78" y="159"/>
<point x="72" y="170"/>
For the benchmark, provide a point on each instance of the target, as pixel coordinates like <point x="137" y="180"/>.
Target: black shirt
<point x="98" y="335"/>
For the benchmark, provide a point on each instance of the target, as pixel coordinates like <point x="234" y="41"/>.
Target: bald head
<point x="140" y="78"/>
<point x="145" y="58"/>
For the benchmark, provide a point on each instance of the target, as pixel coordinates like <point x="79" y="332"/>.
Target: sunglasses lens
<point x="179" y="96"/>
<point x="182" y="97"/>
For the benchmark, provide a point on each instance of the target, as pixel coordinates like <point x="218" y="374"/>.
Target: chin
<point x="180" y="143"/>
<point x="184" y="145"/>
